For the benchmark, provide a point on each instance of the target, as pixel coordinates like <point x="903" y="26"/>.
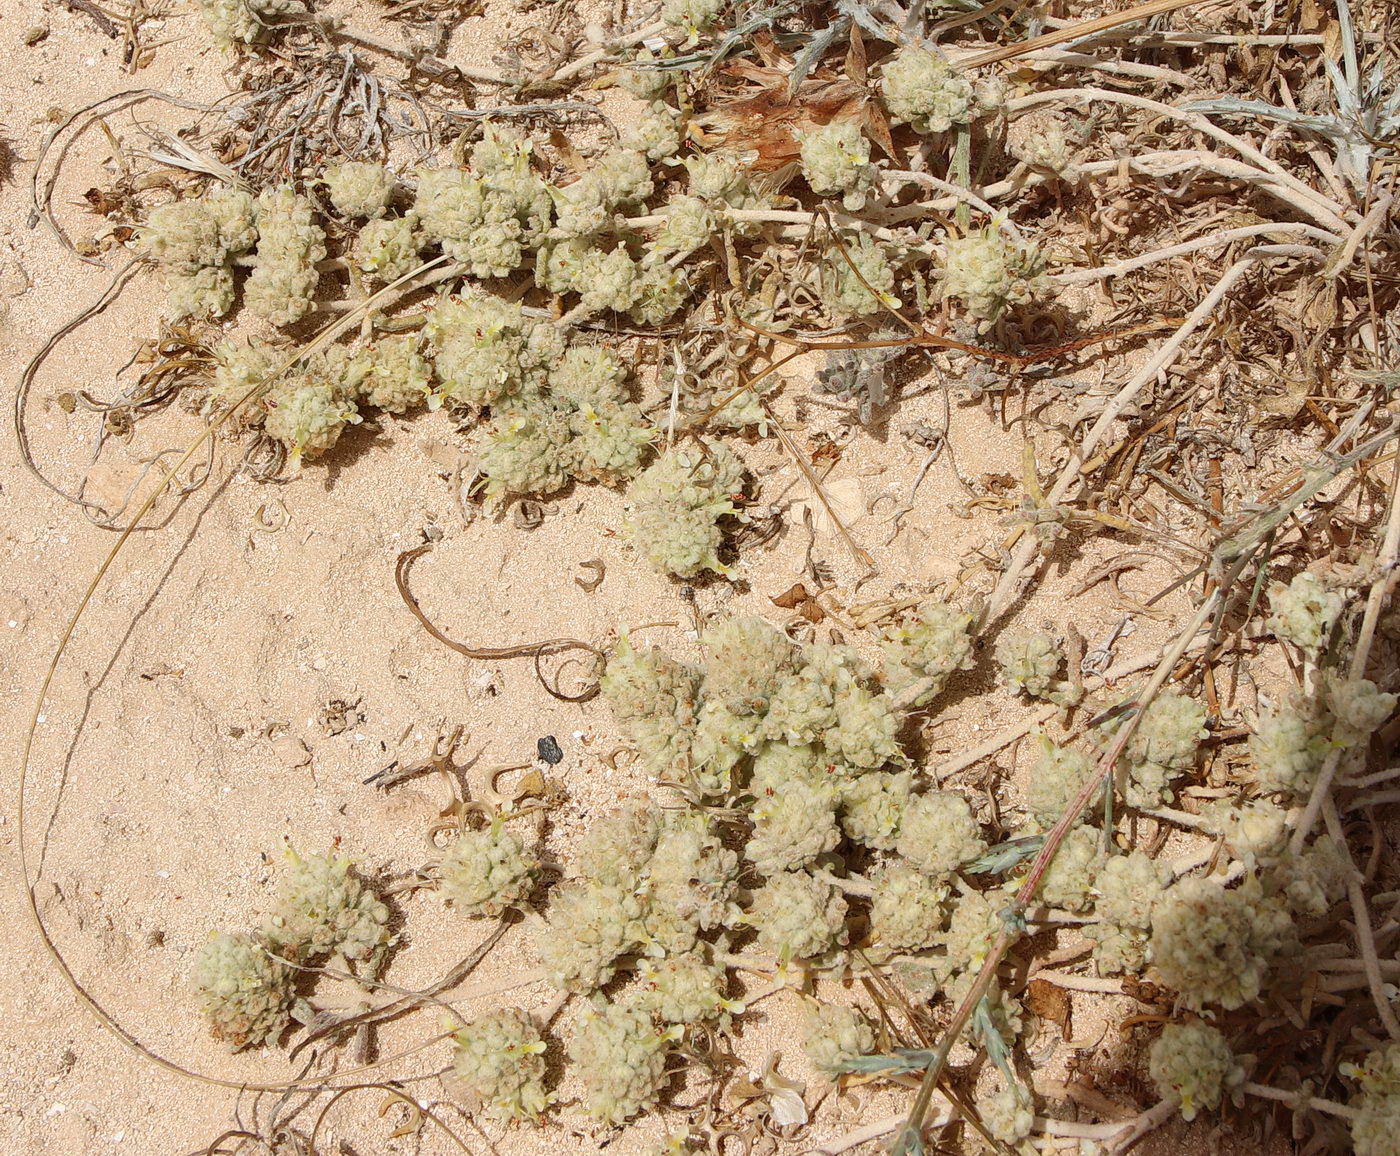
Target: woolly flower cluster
<point x="1304" y="611"/>
<point x="677" y="504"/>
<point x="499" y="1058"/>
<point x="621" y="1055"/>
<point x="1214" y="945"/>
<point x="582" y="427"/>
<point x="1070" y="876"/>
<point x="798" y="917"/>
<point x="234" y="22"/>
<point x="908" y="909"/>
<point x="322" y="909"/>
<point x="921" y="88"/>
<point x="836" y="1034"/>
<point x="1193" y="1064"/>
<point x="685" y="989"/>
<point x="691" y="16"/>
<point x="1377" y="1103"/>
<point x="1295" y="736"/>
<point x="1129" y="888"/>
<point x="988" y="272"/>
<point x="360" y="188"/>
<point x="648" y="885"/>
<point x="245" y="994"/>
<point x="486" y="350"/>
<point x="1008" y="1114"/>
<point x="490" y="217"/>
<point x="1057" y="777"/>
<point x="937" y="833"/>
<point x="924" y="653"/>
<point x="1162" y="748"/>
<point x="388" y="248"/>
<point x="195" y="242"/>
<point x="859" y="277"/>
<point x="1030" y="664"/>
<point x="282" y="286"/>
<point x="487" y="871"/>
<point x="836" y="161"/>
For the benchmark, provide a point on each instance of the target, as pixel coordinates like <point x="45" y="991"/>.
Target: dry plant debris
<point x="1158" y="248"/>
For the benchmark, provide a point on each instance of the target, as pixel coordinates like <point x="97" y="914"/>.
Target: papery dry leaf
<point x="1050" y="1002"/>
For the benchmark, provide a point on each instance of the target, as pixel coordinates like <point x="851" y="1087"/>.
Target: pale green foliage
<point x="935" y="644"/>
<point x="1304" y="611"/>
<point x="487" y="871"/>
<point x="677" y="503"/>
<point x="922" y="89"/>
<point x="1215" y="946"/>
<point x="324" y="909"/>
<point x="499" y="1057"/>
<point x="937" y="832"/>
<point x="988" y="272"/>
<point x="834" y="699"/>
<point x="834" y="1035"/>
<point x="797" y="916"/>
<point x="1193" y="1063"/>
<point x="360" y="188"/>
<point x="282" y="286"/>
<point x="907" y="911"/>
<point x="245" y="994"/>
<point x="622" y="1058"/>
<point x="620" y="179"/>
<point x="836" y="161"/>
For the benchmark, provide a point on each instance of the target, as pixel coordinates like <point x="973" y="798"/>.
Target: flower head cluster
<point x="1008" y="1114"/>
<point x="485" y="349"/>
<point x="798" y="917"/>
<point x="487" y="871"/>
<point x="324" y="909"/>
<point x="309" y="408"/>
<point x="793" y="828"/>
<point x="908" y="910"/>
<point x="1129" y="888"/>
<point x="590" y="925"/>
<point x="657" y="700"/>
<point x="921" y="88"/>
<point x="927" y="650"/>
<point x="621" y="1055"/>
<point x="1291" y="743"/>
<point x="836" y="1034"/>
<point x="282" y="286"/>
<point x="1377" y="1103"/>
<point x="1193" y="1064"/>
<point x="396" y="374"/>
<point x="236" y="22"/>
<point x="499" y="1057"/>
<point x="685" y="989"/>
<point x="859" y="277"/>
<point x="1163" y="747"/>
<point x="1214" y="945"/>
<point x="360" y="188"/>
<point x="657" y="134"/>
<point x="1304" y="611"/>
<point x="245" y="994"/>
<point x="836" y="161"/>
<point x="1070" y="876"/>
<point x="691" y="16"/>
<point x="389" y="247"/>
<point x="987" y="272"/>
<point x="677" y="504"/>
<point x="195" y="241"/>
<point x="937" y="833"/>
<point x="1057" y="777"/>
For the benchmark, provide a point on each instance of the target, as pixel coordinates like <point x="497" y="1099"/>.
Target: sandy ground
<point x="184" y="740"/>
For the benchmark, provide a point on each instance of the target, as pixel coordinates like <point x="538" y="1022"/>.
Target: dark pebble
<point x="549" y="750"/>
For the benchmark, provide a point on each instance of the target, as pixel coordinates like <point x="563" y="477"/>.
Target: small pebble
<point x="549" y="751"/>
<point x="33" y="35"/>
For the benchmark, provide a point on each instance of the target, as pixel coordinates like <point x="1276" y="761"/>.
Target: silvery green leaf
<point x="812" y="51"/>
<point x="900" y="1062"/>
<point x="1005" y="856"/>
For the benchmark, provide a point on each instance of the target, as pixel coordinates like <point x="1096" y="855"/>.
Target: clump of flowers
<point x="360" y="188"/>
<point x="989" y="272"/>
<point x="1058" y="775"/>
<point x="677" y="505"/>
<point x="238" y="22"/>
<point x="590" y="925"/>
<point x="1215" y="945"/>
<point x="691" y="16"/>
<point x="921" y="88"/>
<point x="1129" y="888"/>
<point x="486" y="349"/>
<point x="389" y="247"/>
<point x="1070" y="876"/>
<point x="1291" y="743"/>
<point x="859" y="278"/>
<point x="798" y="917"/>
<point x="1304" y="611"/>
<point x="195" y="242"/>
<point x="310" y="407"/>
<point x="926" y="651"/>
<point x="1377" y="1103"/>
<point x="324" y="909"/>
<point x="394" y="374"/>
<point x="1193" y="1064"/>
<point x="685" y="989"/>
<point x="282" y="286"/>
<point x="835" y="1035"/>
<point x="1008" y="1114"/>
<point x="487" y="871"/>
<point x="1162" y="748"/>
<point x="499" y="1057"/>
<point x="907" y="911"/>
<point x="836" y="162"/>
<point x="1030" y="664"/>
<point x="245" y="994"/>
<point x="621" y="1055"/>
<point x="937" y="832"/>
